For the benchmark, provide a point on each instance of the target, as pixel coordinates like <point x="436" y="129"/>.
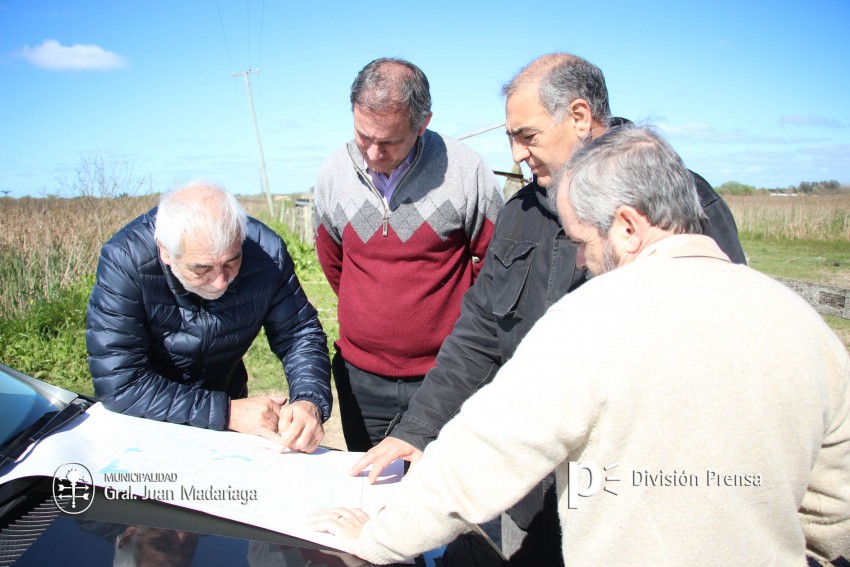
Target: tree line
<point x="831" y="187"/>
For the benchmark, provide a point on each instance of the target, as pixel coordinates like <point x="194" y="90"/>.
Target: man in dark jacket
<point x="181" y="294"/>
<point x="552" y="106"/>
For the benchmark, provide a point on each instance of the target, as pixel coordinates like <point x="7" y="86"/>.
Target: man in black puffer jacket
<point x="181" y="293"/>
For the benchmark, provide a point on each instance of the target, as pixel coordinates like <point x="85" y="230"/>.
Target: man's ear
<point x="424" y="124"/>
<point x="164" y="255"/>
<point x="628" y="229"/>
<point x="582" y="117"/>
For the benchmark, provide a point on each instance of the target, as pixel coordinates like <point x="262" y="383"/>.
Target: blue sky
<point x="757" y="94"/>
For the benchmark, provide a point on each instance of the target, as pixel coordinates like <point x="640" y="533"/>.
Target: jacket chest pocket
<point x="511" y="267"/>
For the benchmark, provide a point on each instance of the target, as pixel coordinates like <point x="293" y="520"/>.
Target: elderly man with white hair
<point x="181" y="293"/>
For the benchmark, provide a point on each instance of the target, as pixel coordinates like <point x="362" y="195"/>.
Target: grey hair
<point x="564" y="78"/>
<point x="203" y="211"/>
<point x="634" y="166"/>
<point x="391" y="85"/>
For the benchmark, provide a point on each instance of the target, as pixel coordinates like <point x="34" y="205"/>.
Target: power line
<point x="262" y="27"/>
<point x="248" y="27"/>
<point x="481" y="131"/>
<point x="224" y="36"/>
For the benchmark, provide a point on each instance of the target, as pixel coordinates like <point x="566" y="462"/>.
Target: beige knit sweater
<point x="716" y="397"/>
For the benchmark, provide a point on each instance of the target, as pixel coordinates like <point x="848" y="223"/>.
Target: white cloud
<point x="706" y="134"/>
<point x="810" y="120"/>
<point x="53" y="55"/>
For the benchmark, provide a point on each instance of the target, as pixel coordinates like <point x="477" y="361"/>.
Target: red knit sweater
<point x="400" y="293"/>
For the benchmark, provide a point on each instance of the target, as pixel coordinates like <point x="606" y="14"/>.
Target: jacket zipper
<point x="386" y="222"/>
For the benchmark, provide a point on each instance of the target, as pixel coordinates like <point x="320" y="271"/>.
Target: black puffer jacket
<point x="158" y="351"/>
<point x="530" y="265"/>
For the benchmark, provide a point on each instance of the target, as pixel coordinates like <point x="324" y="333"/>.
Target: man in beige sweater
<point x="700" y="416"/>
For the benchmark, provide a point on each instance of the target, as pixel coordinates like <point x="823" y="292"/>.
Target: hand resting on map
<point x="296" y="426"/>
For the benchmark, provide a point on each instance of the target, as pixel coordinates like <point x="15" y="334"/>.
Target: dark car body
<point x="35" y="531"/>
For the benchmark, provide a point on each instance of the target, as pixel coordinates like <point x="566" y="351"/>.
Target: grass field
<point x="49" y="249"/>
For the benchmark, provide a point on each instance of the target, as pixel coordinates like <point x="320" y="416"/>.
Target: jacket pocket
<point x="511" y="266"/>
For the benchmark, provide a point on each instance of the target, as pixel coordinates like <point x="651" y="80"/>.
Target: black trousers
<point x="368" y="402"/>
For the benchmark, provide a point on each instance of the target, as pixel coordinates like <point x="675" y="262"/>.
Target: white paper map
<point x="232" y="475"/>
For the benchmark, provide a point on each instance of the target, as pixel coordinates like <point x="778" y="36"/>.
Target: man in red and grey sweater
<point x="403" y="217"/>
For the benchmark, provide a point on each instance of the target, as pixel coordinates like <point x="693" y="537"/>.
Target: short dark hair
<point x="390" y="85"/>
<point x="563" y="79"/>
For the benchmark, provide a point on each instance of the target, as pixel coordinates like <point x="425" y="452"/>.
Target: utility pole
<point x="257" y="132"/>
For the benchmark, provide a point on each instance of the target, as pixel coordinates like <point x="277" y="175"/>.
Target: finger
<point x="279" y="400"/>
<point x="340" y="513"/>
<point x="274" y="407"/>
<point x="355" y="514"/>
<point x="327" y="516"/>
<point x="304" y="441"/>
<point x="378" y="456"/>
<point x="291" y="434"/>
<point x="325" y="513"/>
<point x="363" y="462"/>
<point x="377" y="468"/>
<point x="310" y="438"/>
<point x="325" y="524"/>
<point x="285" y="417"/>
<point x="273" y="436"/>
<point x="268" y="421"/>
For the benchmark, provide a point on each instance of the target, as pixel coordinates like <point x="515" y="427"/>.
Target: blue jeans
<point x="368" y="402"/>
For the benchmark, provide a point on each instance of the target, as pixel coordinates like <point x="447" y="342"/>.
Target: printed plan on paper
<point x="232" y="475"/>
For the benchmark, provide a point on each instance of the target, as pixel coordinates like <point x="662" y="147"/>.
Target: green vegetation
<point x="49" y="340"/>
<point x="814" y="261"/>
<point x="49" y="249"/>
<point x="735" y="188"/>
<point x="830" y="187"/>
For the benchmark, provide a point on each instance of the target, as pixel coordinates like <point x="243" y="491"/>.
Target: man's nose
<point x="519" y="152"/>
<point x="581" y="262"/>
<point x="221" y="280"/>
<point x="377" y="150"/>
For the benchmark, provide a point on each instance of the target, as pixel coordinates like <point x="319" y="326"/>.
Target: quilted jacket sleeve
<point x="117" y="340"/>
<point x="296" y="336"/>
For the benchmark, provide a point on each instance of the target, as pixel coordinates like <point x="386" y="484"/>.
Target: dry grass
<point x="814" y="218"/>
<point x="49" y="244"/>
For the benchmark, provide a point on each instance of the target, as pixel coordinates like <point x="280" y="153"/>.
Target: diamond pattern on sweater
<point x="445" y="220"/>
<point x="363" y="216"/>
<point x="366" y="218"/>
<point x="405" y="220"/>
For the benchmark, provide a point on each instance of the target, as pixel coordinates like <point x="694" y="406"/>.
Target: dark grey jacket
<point x="530" y="265"/>
<point x="158" y="351"/>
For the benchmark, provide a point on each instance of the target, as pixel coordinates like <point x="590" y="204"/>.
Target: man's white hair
<point x="203" y="211"/>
